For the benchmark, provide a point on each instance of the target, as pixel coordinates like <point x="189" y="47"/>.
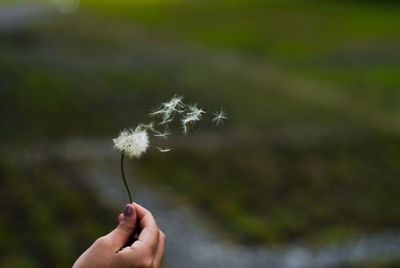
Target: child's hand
<point x="112" y="250"/>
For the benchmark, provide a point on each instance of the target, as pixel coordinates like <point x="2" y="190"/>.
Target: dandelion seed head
<point x="131" y="142"/>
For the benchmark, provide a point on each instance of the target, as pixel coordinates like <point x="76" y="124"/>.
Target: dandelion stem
<point x="123" y="177"/>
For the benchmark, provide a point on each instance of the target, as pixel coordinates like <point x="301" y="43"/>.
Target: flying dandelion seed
<point x="156" y="112"/>
<point x="169" y="109"/>
<point x="164" y="150"/>
<point x="150" y="127"/>
<point x="195" y="111"/>
<point x="219" y="117"/>
<point x="191" y="117"/>
<point x="164" y="122"/>
<point x="189" y="122"/>
<point x="174" y="103"/>
<point x="164" y="134"/>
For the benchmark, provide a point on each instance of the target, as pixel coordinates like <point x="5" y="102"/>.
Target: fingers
<point x="150" y="233"/>
<point x="127" y="223"/>
<point x="148" y="250"/>
<point x="159" y="255"/>
<point x="120" y="217"/>
<point x="143" y="256"/>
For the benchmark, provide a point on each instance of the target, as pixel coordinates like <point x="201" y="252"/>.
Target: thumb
<point x="125" y="229"/>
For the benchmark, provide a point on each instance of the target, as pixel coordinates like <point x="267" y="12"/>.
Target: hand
<point x="113" y="250"/>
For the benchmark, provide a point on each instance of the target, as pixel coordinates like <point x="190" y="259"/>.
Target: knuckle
<point x="153" y="248"/>
<point x="147" y="253"/>
<point x="102" y="241"/>
<point x="124" y="227"/>
<point x="163" y="235"/>
<point x="118" y="262"/>
<point x="150" y="214"/>
<point x="147" y="262"/>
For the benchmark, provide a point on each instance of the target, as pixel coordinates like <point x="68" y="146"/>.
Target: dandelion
<point x="219" y="117"/>
<point x="132" y="143"/>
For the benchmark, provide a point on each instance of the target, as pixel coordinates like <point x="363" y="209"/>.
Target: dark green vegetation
<point x="289" y="191"/>
<point x="312" y="148"/>
<point x="352" y="46"/>
<point x="48" y="217"/>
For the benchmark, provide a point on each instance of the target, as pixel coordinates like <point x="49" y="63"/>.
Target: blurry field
<point x="311" y="150"/>
<point x="48" y="217"/>
<point x="351" y="45"/>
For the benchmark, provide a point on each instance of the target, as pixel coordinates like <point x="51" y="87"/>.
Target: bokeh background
<point x="305" y="173"/>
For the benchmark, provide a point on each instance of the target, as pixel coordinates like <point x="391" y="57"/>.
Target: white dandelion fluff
<point x="164" y="150"/>
<point x="166" y="121"/>
<point x="149" y="126"/>
<point x="133" y="143"/>
<point x="174" y="104"/>
<point x="195" y="111"/>
<point x="219" y="117"/>
<point x="164" y="134"/>
<point x="188" y="122"/>
<point x="169" y="109"/>
<point x="191" y="117"/>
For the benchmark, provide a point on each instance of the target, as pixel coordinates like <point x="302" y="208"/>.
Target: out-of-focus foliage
<point x="48" y="216"/>
<point x="311" y="150"/>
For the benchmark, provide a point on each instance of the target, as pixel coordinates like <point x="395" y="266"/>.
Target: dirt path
<point x="14" y="18"/>
<point x="193" y="243"/>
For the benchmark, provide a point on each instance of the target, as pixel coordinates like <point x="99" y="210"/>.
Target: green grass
<point x="274" y="193"/>
<point x="48" y="216"/>
<point x="352" y="45"/>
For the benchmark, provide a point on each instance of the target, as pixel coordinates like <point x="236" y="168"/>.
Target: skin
<point x="114" y="249"/>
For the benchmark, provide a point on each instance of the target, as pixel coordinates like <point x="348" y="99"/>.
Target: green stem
<point x="123" y="177"/>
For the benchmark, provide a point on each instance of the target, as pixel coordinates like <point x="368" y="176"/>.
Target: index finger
<point x="150" y="232"/>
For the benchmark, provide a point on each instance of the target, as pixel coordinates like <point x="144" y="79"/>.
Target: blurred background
<point x="305" y="173"/>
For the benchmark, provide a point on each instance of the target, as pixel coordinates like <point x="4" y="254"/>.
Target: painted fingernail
<point x="128" y="211"/>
